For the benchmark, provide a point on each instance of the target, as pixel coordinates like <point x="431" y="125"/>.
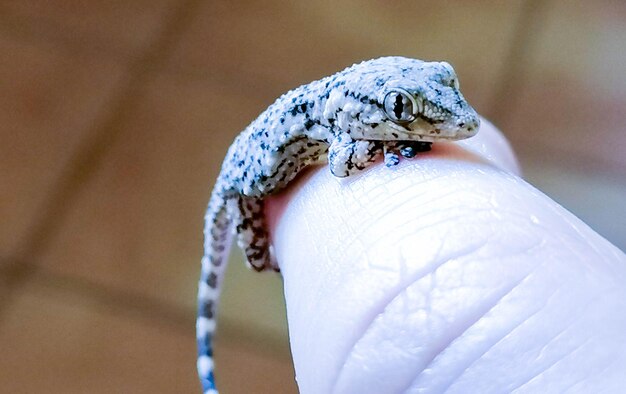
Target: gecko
<point x="391" y="107"/>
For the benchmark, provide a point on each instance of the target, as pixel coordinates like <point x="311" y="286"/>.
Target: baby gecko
<point x="393" y="106"/>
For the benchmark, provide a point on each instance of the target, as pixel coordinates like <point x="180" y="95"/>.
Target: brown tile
<point x="137" y="226"/>
<point x="49" y="99"/>
<point x="5" y="293"/>
<point x="125" y="27"/>
<point x="255" y="304"/>
<point x="570" y="109"/>
<point x="71" y="344"/>
<point x="240" y="369"/>
<point x="277" y="45"/>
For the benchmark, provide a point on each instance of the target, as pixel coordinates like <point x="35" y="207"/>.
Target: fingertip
<point x="453" y="237"/>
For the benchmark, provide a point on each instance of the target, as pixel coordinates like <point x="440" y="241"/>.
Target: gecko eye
<point x="400" y="106"/>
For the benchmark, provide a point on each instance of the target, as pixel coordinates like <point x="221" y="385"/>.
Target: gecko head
<point x="416" y="101"/>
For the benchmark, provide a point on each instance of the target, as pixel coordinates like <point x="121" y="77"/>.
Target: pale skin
<point x="466" y="279"/>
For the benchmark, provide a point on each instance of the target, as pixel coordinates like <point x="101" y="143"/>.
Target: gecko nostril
<point x="461" y="124"/>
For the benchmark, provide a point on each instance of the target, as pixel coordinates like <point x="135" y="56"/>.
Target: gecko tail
<point x="217" y="239"/>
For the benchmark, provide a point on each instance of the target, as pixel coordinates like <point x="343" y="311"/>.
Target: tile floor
<point x="115" y="117"/>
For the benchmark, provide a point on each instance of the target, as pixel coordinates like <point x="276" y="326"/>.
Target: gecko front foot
<point x="347" y="156"/>
<point x="391" y="158"/>
<point x="406" y="149"/>
<point x="409" y="149"/>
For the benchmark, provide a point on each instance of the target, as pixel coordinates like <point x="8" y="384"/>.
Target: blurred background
<point x="115" y="116"/>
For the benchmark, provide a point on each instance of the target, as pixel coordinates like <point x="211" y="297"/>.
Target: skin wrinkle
<point x="485" y="308"/>
<point x="438" y="252"/>
<point x="411" y="196"/>
<point x="389" y="208"/>
<point x="570" y="324"/>
<point x="449" y="257"/>
<point x="481" y="316"/>
<point x="552" y="365"/>
<point x="576" y="228"/>
<point x="397" y="204"/>
<point x="424" y="185"/>
<point x="579" y="381"/>
<point x="399" y="174"/>
<point x="383" y="204"/>
<point x="525" y="217"/>
<point x="582" y="380"/>
<point x="403" y="290"/>
<point x="363" y="252"/>
<point x="418" y="275"/>
<point x="499" y="340"/>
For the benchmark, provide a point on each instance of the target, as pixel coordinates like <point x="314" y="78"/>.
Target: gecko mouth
<point x="419" y="131"/>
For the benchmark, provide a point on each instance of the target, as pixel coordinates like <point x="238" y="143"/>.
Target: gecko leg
<point x="252" y="235"/>
<point x="391" y="158"/>
<point x="347" y="156"/>
<point x="407" y="149"/>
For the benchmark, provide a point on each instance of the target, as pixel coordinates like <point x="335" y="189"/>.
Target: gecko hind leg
<point x="252" y="235"/>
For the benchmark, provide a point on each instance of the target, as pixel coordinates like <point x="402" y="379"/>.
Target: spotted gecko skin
<point x="393" y="106"/>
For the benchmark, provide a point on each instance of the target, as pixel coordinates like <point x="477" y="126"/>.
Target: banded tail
<point x="217" y="240"/>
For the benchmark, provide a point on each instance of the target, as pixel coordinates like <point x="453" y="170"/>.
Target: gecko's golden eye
<point x="400" y="106"/>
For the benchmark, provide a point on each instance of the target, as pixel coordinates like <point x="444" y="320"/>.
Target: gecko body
<point x="393" y="106"/>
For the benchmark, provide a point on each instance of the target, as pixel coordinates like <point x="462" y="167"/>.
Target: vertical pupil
<point x="398" y="106"/>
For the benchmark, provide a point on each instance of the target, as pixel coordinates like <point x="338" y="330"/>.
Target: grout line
<point x="514" y="68"/>
<point x="12" y="276"/>
<point x="93" y="150"/>
<point x="120" y="301"/>
<point x="153" y="311"/>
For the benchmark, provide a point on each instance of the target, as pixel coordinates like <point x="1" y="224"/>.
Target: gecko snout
<point x="469" y="127"/>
